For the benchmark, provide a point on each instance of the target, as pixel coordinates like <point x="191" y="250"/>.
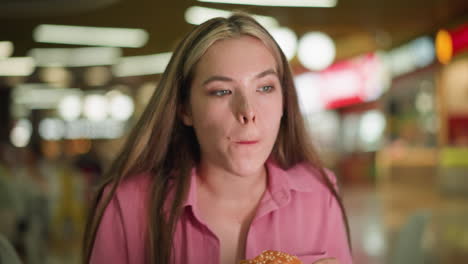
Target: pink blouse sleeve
<point x="110" y="245"/>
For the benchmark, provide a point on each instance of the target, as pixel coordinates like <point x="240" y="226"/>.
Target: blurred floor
<point x="364" y="208"/>
<point x="410" y="222"/>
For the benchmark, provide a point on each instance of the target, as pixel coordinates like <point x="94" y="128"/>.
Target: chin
<point x="247" y="167"/>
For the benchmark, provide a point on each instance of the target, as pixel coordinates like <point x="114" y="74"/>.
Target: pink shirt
<point x="297" y="215"/>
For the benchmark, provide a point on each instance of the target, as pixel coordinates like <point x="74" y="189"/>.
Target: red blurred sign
<point x="459" y="39"/>
<point x="458" y="130"/>
<point x="352" y="81"/>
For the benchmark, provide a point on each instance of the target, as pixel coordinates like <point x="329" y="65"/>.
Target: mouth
<point x="247" y="142"/>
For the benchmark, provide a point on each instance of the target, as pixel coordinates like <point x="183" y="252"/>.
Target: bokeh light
<point x="20" y="135"/>
<point x="316" y="50"/>
<point x="69" y="107"/>
<point x="95" y="107"/>
<point x="121" y="106"/>
<point x="6" y="49"/>
<point x="286" y="39"/>
<point x="52" y="129"/>
<point x="371" y="129"/>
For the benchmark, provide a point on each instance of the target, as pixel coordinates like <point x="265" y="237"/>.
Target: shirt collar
<point x="191" y="199"/>
<point x="280" y="182"/>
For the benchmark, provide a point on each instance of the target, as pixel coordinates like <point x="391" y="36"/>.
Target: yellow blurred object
<point x="454" y="157"/>
<point x="444" y="46"/>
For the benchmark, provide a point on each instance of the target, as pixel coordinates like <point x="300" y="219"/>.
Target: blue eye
<point x="266" y="88"/>
<point x="221" y="92"/>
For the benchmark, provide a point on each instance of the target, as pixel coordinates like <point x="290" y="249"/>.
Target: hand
<point x="327" y="261"/>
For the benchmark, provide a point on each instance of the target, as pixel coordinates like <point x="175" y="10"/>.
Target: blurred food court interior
<point x="383" y="86"/>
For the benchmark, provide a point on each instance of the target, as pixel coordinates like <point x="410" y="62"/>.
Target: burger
<point x="273" y="257"/>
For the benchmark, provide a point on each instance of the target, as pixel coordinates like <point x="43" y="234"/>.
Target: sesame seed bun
<point x="273" y="257"/>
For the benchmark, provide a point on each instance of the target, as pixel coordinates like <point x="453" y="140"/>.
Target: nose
<point x="245" y="111"/>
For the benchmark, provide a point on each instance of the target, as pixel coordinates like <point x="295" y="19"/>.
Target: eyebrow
<point x="265" y="73"/>
<point x="227" y="79"/>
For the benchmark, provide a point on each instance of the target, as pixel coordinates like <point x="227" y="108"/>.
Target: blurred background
<point x="383" y="86"/>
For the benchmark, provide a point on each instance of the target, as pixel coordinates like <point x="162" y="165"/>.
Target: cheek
<point x="271" y="112"/>
<point x="210" y="119"/>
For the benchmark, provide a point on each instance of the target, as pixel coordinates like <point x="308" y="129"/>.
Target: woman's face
<point x="236" y="105"/>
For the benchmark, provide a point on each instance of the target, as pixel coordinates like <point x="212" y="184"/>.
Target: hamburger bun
<point x="273" y="257"/>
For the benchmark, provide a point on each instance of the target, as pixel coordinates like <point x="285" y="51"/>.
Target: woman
<point x="219" y="167"/>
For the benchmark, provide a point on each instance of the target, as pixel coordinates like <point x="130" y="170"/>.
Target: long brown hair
<point x="163" y="146"/>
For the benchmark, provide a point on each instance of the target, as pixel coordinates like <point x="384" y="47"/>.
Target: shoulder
<point x="131" y="193"/>
<point x="121" y="233"/>
<point x="125" y="216"/>
<point x="129" y="201"/>
<point x="134" y="186"/>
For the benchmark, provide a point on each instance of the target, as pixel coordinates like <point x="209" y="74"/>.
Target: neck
<point x="227" y="187"/>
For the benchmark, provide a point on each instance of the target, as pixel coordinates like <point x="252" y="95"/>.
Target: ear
<point x="186" y="115"/>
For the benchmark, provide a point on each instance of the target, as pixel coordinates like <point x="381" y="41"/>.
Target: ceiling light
<point x="286" y="39"/>
<point x="142" y="65"/>
<point x="95" y="107"/>
<point x="121" y="106"/>
<point x="196" y="15"/>
<point x="6" y="49"/>
<point x="40" y="95"/>
<point x="88" y="129"/>
<point x="52" y="129"/>
<point x="17" y="66"/>
<point x="69" y="107"/>
<point x="75" y="57"/>
<point x="20" y="135"/>
<point x="99" y="36"/>
<point x="316" y="50"/>
<point x="292" y="3"/>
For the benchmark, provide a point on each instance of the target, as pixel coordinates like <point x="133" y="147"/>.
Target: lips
<point x="247" y="142"/>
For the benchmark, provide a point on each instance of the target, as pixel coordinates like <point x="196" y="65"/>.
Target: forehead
<point x="236" y="57"/>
